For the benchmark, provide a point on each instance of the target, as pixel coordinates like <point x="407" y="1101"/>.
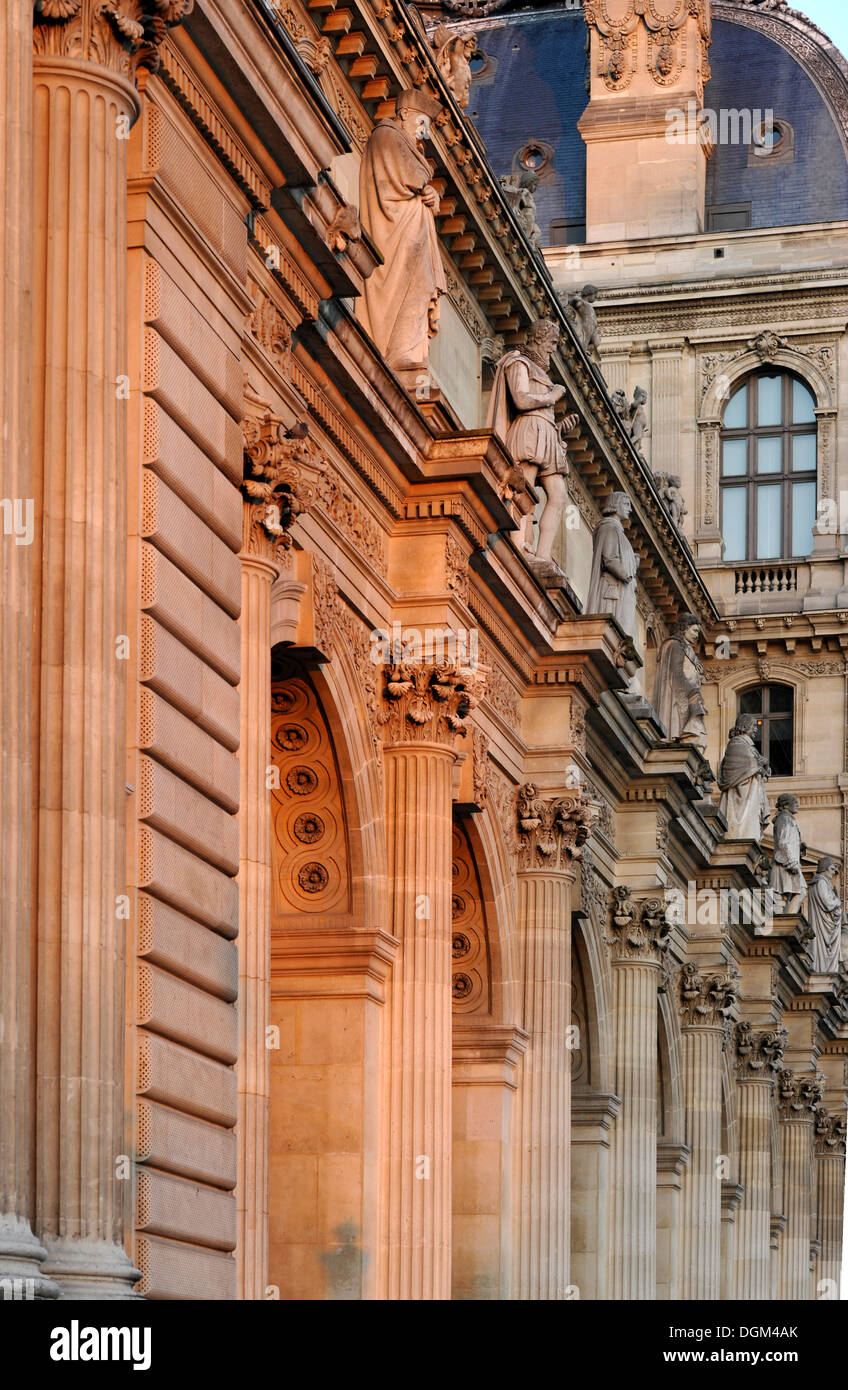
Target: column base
<point x="21" y="1261"/>
<point x="91" y="1270"/>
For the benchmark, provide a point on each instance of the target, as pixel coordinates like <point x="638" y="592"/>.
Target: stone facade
<point x="364" y="934"/>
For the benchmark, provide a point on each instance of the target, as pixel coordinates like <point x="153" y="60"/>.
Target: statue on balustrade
<point x="785" y="876"/>
<point x="398" y="204"/>
<point x="678" y="698"/>
<point x="742" y="776"/>
<point x="826" y="917"/>
<point x="521" y="412"/>
<point x="612" y="583"/>
<point x="580" y="310"/>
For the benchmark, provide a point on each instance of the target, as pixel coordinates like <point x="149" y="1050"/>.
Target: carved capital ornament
<point x="552" y="831"/>
<point x="121" y="35"/>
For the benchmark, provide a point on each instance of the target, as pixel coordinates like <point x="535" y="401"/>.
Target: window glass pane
<point x="803" y="405"/>
<point x="769" y="400"/>
<point x="803" y="516"/>
<point x="779" y="752"/>
<point x="734" y="522"/>
<point x="803" y="451"/>
<point x="734" y="456"/>
<point x="768" y="453"/>
<point x="768" y="521"/>
<point x="736" y="414"/>
<point x="780" y="698"/>
<point x="751" y="701"/>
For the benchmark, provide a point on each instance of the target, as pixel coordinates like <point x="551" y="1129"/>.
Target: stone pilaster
<point x="638" y="937"/>
<point x="280" y="470"/>
<point x="829" y="1177"/>
<point x="20" y="1253"/>
<point x="705" y="1001"/>
<point x="86" y="57"/>
<point x="758" y="1054"/>
<point x="731" y="1196"/>
<point x="425" y="706"/>
<point x="550" y="833"/>
<point x="666" y="360"/>
<point x="798" y="1096"/>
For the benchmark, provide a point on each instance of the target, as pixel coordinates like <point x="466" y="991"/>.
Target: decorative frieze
<point x="552" y="831"/>
<point x="706" y="1000"/>
<point x="758" y="1054"/>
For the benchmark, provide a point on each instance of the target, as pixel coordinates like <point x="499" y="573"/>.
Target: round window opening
<point x="533" y="157"/>
<point x="769" y="137"/>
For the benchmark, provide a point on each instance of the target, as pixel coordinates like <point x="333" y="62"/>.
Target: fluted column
<point x="758" y="1057"/>
<point x="638" y="936"/>
<point x="705" y="1001"/>
<point x="550" y="833"/>
<point x="84" y="102"/>
<point x="829" y="1170"/>
<point x="21" y="1254"/>
<point x="799" y="1095"/>
<point x="424" y="709"/>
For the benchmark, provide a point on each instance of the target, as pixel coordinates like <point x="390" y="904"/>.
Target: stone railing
<point x="767" y="579"/>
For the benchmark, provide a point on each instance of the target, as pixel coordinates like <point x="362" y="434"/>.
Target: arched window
<point x="768" y="469"/>
<point x="774" y="709"/>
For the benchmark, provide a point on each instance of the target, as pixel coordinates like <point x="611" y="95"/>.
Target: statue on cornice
<point x="638" y="418"/>
<point x="612" y="584"/>
<point x="521" y="413"/>
<point x="785" y="876"/>
<point x="678" y="698"/>
<point x="668" y="487"/>
<point x="521" y="194"/>
<point x="398" y="204"/>
<point x="742" y="776"/>
<point x="826" y="917"/>
<point x="580" y="311"/>
<point x="454" y="51"/>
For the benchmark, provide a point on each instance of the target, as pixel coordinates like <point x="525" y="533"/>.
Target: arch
<point x="669" y="1074"/>
<point x="484" y="843"/>
<point x="732" y="372"/>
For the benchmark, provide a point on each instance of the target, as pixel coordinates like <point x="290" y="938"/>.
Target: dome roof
<point x="532" y="91"/>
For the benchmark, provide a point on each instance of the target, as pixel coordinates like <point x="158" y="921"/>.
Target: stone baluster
<point x="758" y="1055"/>
<point x="705" y="1001"/>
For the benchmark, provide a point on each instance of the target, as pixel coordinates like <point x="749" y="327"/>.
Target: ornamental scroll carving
<point x="552" y="831"/>
<point x="617" y="26"/>
<point x="706" y="1000"/>
<point x="758" y="1053"/>
<point x="121" y="35"/>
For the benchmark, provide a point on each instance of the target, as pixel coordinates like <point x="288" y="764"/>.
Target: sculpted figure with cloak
<point x="677" y="691"/>
<point x="824" y="914"/>
<point x="398" y="204"/>
<point x="612" y="584"/>
<point x="785" y="876"/>
<point x="742" y="776"/>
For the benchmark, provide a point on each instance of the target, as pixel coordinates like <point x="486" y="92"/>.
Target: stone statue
<point x="521" y="194"/>
<point x="638" y="418"/>
<point x="668" y="487"/>
<point x="397" y="205"/>
<point x="454" y="51"/>
<point x="521" y="412"/>
<point x="612" y="584"/>
<point x="742" y="776"/>
<point x="579" y="308"/>
<point x="825" y="916"/>
<point x="619" y="405"/>
<point x="785" y="876"/>
<point x="678" y="700"/>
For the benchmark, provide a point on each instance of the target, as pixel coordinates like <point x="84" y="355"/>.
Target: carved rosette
<point x="427" y="702"/>
<point x="706" y="1000"/>
<point x="638" y="931"/>
<point x="121" y="35"/>
<point x="829" y="1133"/>
<point x="552" y="831"/>
<point x="281" y="471"/>
<point x="758" y="1053"/>
<point x="799" y="1096"/>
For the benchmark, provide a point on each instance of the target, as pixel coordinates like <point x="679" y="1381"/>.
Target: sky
<point x="829" y="15"/>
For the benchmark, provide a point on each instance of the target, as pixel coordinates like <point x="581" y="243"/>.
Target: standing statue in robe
<point x="825" y="916"/>
<point x="397" y="206"/>
<point x="785" y="876"/>
<point x="612" y="584"/>
<point x="521" y="413"/>
<point x="678" y="699"/>
<point x="742" y="776"/>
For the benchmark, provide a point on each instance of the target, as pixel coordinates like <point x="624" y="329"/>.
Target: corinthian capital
<point x="429" y="702"/>
<point x="758" y="1054"/>
<point x="281" y="468"/>
<point x="552" y="830"/>
<point x="639" y="931"/>
<point x="706" y="1000"/>
<point x="799" y="1096"/>
<point x="829" y="1133"/>
<point x="122" y="35"/>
